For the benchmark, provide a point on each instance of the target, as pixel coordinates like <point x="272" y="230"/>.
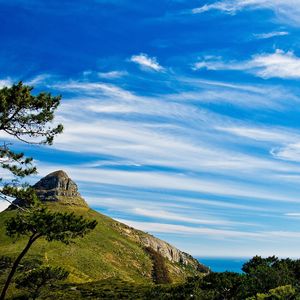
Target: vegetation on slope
<point x="104" y="253"/>
<point x="109" y="265"/>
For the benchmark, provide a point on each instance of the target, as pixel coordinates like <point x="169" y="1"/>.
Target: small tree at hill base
<point x="38" y="223"/>
<point x="35" y="279"/>
<point x="28" y="118"/>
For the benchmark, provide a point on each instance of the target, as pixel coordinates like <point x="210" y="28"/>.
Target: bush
<point x="160" y="272"/>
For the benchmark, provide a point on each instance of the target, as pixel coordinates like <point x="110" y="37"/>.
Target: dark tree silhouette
<point x="35" y="279"/>
<point x="38" y="223"/>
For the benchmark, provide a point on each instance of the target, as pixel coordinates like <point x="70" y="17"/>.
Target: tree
<point x="39" y="222"/>
<point x="286" y="292"/>
<point x="263" y="274"/>
<point x="5" y="263"/>
<point x="26" y="118"/>
<point x="258" y="261"/>
<point x="225" y="285"/>
<point x="35" y="279"/>
<point x="160" y="272"/>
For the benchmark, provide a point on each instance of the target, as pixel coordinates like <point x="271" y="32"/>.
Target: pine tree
<point x="39" y="222"/>
<point x="29" y="118"/>
<point x="26" y="118"/>
<point x="38" y="278"/>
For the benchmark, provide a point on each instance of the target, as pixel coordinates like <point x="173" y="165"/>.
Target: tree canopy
<point x="38" y="278"/>
<point x="53" y="226"/>
<point x="29" y="119"/>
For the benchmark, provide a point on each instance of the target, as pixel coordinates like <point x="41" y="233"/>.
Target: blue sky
<point x="181" y="117"/>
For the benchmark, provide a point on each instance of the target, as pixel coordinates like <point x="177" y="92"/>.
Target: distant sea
<point x="222" y="264"/>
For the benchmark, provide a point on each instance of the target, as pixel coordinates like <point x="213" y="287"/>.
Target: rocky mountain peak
<point x="59" y="187"/>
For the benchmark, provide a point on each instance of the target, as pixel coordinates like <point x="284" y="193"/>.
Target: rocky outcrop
<point x="58" y="187"/>
<point x="166" y="250"/>
<point x="171" y="253"/>
<point x="124" y="241"/>
<point x="55" y="187"/>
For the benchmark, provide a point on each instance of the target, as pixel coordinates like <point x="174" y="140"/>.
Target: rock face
<point x="166" y="250"/>
<point x="58" y="187"/>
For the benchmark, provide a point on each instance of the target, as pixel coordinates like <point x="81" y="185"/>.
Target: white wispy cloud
<point x="111" y="74"/>
<point x="147" y="62"/>
<point x="266" y="134"/>
<point x="205" y="231"/>
<point x="230" y="7"/>
<point x="286" y="10"/>
<point x="270" y="34"/>
<point x="193" y="158"/>
<point x="160" y="143"/>
<point x="130" y="203"/>
<point x="93" y="88"/>
<point x="188" y="230"/>
<point x="170" y="181"/>
<point x="167" y="215"/>
<point x="289" y="152"/>
<point x="7" y="82"/>
<point x="279" y="64"/>
<point x="292" y="214"/>
<point x="39" y="79"/>
<point x="287" y="140"/>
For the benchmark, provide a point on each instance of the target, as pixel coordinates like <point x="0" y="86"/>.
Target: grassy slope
<point x="103" y="253"/>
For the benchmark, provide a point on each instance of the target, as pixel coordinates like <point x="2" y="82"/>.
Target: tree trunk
<point x="32" y="239"/>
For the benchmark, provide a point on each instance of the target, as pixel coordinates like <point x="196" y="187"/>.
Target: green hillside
<point x="108" y="251"/>
<point x="112" y="251"/>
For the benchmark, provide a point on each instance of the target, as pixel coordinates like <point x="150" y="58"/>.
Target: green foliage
<point x="263" y="274"/>
<point x="286" y="292"/>
<point x="258" y="261"/>
<point x="25" y="116"/>
<point x="16" y="163"/>
<point x="39" y="222"/>
<point x="29" y="264"/>
<point x="38" y="278"/>
<point x="264" y="278"/>
<point x="28" y="118"/>
<point x="160" y="272"/>
<point x="118" y="253"/>
<point x="53" y="226"/>
<point x="26" y="196"/>
<point x="5" y="263"/>
<point x="225" y="285"/>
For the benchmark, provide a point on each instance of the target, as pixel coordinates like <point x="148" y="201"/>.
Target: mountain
<point x="111" y="250"/>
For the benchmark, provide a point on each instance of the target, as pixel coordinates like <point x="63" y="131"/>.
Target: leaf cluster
<point x="29" y="119"/>
<point x="262" y="278"/>
<point x="25" y="116"/>
<point x="286" y="292"/>
<point x="25" y="195"/>
<point x="40" y="276"/>
<point x="53" y="226"/>
<point x="16" y="163"/>
<point x="5" y="263"/>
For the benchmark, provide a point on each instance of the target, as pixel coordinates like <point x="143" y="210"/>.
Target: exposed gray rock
<point x="55" y="187"/>
<point x="171" y="253"/>
<point x="59" y="187"/>
<point x="165" y="249"/>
